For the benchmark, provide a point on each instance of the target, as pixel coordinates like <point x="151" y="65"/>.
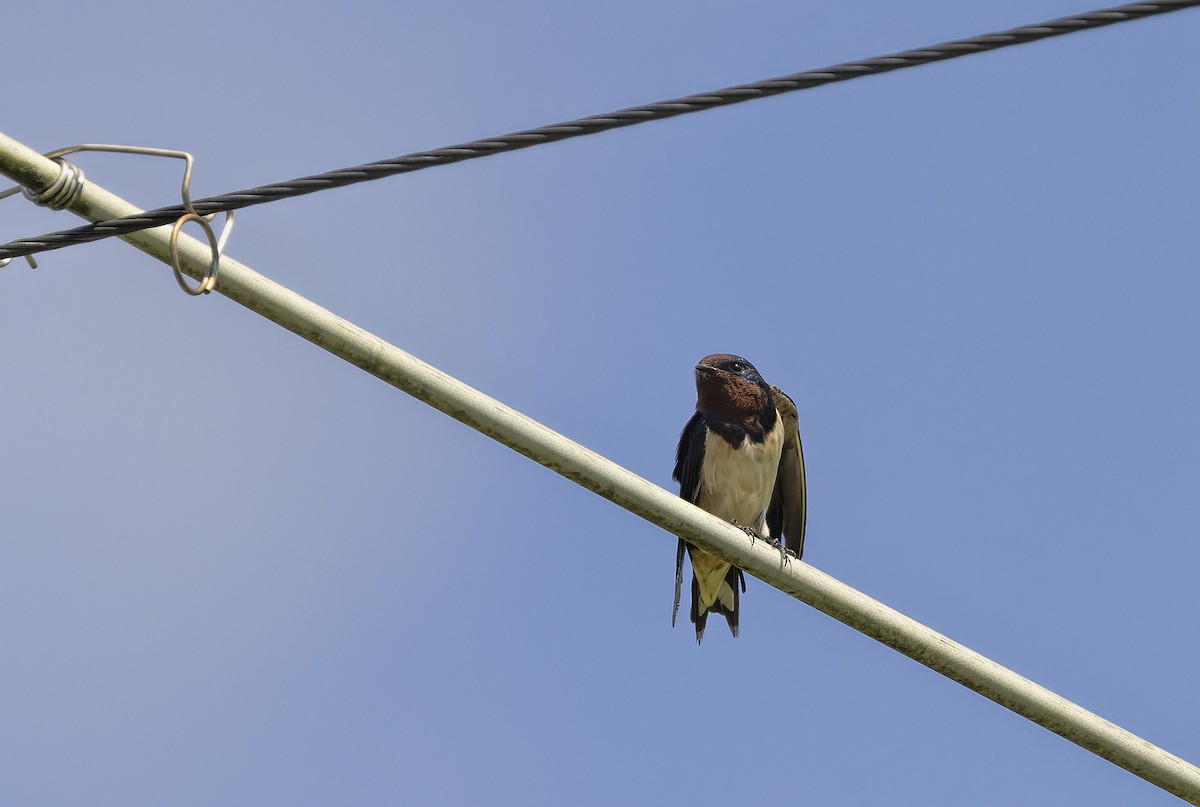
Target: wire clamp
<point x="62" y="193"/>
<point x="65" y="191"/>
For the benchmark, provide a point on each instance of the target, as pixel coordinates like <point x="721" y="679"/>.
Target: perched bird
<point x="739" y="458"/>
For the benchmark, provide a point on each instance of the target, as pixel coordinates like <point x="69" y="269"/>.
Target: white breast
<point x="736" y="483"/>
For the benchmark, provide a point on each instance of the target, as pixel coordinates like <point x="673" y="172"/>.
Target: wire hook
<point x="28" y="259"/>
<point x="69" y="184"/>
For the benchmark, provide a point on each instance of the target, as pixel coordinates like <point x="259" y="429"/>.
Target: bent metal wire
<point x="65" y="190"/>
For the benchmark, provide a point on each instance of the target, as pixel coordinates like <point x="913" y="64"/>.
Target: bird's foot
<point x="785" y="555"/>
<point x="748" y="530"/>
<point x="784" y="560"/>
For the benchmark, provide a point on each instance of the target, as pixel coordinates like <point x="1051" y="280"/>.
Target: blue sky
<point x="239" y="571"/>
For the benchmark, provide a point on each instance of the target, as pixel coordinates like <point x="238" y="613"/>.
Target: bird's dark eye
<point x="737" y="367"/>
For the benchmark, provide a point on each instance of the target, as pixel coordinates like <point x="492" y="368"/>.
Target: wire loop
<point x="210" y="278"/>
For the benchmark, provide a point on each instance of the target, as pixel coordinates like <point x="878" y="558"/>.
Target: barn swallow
<point x="739" y="458"/>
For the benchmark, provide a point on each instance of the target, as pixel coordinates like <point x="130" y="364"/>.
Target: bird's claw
<point x="748" y="530"/>
<point x="784" y="560"/>
<point x="785" y="555"/>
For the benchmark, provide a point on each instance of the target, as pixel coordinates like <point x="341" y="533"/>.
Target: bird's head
<point x="730" y="387"/>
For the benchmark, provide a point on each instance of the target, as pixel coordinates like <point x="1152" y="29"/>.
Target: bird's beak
<point x="705" y="369"/>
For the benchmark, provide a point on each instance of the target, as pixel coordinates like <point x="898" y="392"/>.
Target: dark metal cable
<point x="594" y="124"/>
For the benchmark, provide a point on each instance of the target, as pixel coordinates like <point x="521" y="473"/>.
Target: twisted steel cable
<point x="594" y="124"/>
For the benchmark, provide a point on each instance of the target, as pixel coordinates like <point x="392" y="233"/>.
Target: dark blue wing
<point x="789" y="502"/>
<point x="688" y="458"/>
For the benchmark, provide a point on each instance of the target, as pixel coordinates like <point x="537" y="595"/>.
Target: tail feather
<point x="726" y="604"/>
<point x="699" y="619"/>
<point x="678" y="580"/>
